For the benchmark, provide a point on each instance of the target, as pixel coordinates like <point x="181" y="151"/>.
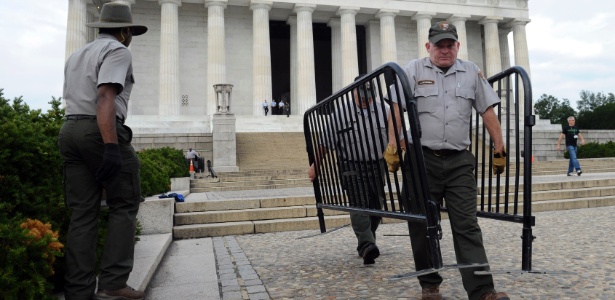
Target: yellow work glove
<point x="499" y="162"/>
<point x="391" y="157"/>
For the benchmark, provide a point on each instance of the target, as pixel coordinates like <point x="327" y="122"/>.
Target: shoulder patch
<point x="425" y="82"/>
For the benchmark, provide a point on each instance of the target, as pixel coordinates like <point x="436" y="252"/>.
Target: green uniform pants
<point x="364" y="185"/>
<point x="81" y="148"/>
<point x="452" y="178"/>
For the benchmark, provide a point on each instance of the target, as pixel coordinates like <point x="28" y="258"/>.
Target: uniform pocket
<point x="465" y="101"/>
<point x="426" y="99"/>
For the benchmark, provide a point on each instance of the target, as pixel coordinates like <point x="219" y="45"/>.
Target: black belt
<point x="88" y="117"/>
<point x="442" y="152"/>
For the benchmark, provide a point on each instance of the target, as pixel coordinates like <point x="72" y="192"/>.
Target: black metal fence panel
<point x="347" y="133"/>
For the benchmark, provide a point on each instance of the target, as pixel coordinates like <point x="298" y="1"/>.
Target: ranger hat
<point x="117" y="15"/>
<point x="442" y="30"/>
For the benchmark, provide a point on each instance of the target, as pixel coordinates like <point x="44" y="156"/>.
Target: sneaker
<point x="570" y="174"/>
<point x="370" y="253"/>
<point x="579" y="172"/>
<point x="431" y="292"/>
<point x="494" y="296"/>
<point x="126" y="293"/>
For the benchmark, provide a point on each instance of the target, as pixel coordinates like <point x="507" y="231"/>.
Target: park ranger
<point x="361" y="166"/>
<point x="97" y="155"/>
<point x="446" y="90"/>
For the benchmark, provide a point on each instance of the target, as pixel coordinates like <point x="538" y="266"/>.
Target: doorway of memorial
<point x="279" y="33"/>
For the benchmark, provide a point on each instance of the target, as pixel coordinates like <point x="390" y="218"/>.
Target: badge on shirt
<point x="425" y="82"/>
<point x="480" y="74"/>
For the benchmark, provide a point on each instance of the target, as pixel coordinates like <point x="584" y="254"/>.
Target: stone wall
<point x="202" y="143"/>
<point x="545" y="142"/>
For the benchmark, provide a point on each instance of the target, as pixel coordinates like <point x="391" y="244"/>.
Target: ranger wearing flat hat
<point x="446" y="89"/>
<point x="97" y="154"/>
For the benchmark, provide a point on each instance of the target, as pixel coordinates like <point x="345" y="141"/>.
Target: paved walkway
<point x="309" y="265"/>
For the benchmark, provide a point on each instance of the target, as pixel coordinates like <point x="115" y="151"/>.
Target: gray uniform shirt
<point x="445" y="101"/>
<point x="346" y="131"/>
<point x="105" y="60"/>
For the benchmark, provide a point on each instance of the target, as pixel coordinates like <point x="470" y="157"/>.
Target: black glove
<point x="111" y="163"/>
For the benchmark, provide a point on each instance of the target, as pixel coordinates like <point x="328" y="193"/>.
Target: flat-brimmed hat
<point x="442" y="30"/>
<point x="117" y="15"/>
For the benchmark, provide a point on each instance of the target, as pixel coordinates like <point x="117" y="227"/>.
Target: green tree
<point x="550" y="108"/>
<point x="602" y="117"/>
<point x="590" y="101"/>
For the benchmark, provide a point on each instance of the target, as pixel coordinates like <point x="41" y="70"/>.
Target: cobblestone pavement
<point x="305" y="265"/>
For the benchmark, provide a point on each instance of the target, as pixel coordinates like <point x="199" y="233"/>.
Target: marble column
<point x="336" y="54"/>
<point x="169" y="99"/>
<point x="505" y="57"/>
<point x="350" y="57"/>
<point x="522" y="58"/>
<point x="261" y="55"/>
<point x="459" y="21"/>
<point x="292" y="22"/>
<point x="216" y="50"/>
<point x="388" y="41"/>
<point x="76" y="31"/>
<point x="373" y="47"/>
<point x="492" y="46"/>
<point x="306" y="81"/>
<point x="423" y="23"/>
<point x="504" y="49"/>
<point x="92" y="16"/>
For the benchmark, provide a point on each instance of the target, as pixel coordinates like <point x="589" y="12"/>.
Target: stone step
<point x="249" y="227"/>
<point x="261" y="178"/>
<point x="254" y="214"/>
<point x="541" y="192"/>
<point x="237" y="204"/>
<point x="334" y="219"/>
<point x="287" y="181"/>
<point x="254" y="187"/>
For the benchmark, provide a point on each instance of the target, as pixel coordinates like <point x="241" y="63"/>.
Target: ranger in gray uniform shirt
<point x="446" y="90"/>
<point x="356" y="152"/>
<point x="97" y="154"/>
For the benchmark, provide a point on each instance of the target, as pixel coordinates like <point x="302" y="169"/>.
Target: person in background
<point x="193" y="157"/>
<point x="274" y="108"/>
<point x="287" y="107"/>
<point x="97" y="155"/>
<point x="265" y="107"/>
<point x="281" y="107"/>
<point x="367" y="186"/>
<point x="572" y="134"/>
<point x="446" y="89"/>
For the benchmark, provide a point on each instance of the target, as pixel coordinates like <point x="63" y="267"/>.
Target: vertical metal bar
<point x="311" y="159"/>
<point x="529" y="121"/>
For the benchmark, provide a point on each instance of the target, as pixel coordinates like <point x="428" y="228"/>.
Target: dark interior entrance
<point x="279" y="33"/>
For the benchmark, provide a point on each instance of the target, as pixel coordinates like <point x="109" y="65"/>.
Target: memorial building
<point x="295" y="51"/>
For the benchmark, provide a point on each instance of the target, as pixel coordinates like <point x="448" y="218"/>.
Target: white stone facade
<point x="212" y="40"/>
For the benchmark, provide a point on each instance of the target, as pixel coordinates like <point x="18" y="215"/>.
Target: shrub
<point x="158" y="166"/>
<point x="594" y="150"/>
<point x="28" y="251"/>
<point x="31" y="181"/>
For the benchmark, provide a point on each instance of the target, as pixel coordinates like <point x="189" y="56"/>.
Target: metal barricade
<point x="342" y="144"/>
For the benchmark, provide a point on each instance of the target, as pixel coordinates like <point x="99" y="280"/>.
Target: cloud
<point x="33" y="35"/>
<point x="570" y="47"/>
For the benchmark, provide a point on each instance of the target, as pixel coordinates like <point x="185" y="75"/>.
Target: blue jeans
<point x="573" y="163"/>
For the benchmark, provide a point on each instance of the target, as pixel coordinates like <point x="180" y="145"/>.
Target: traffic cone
<point x="191" y="166"/>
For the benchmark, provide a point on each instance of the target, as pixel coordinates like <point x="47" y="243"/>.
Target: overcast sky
<point x="571" y="46"/>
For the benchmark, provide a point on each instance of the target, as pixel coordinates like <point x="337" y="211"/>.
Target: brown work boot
<point x="494" y="296"/>
<point x="126" y="293"/>
<point x="431" y="292"/>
